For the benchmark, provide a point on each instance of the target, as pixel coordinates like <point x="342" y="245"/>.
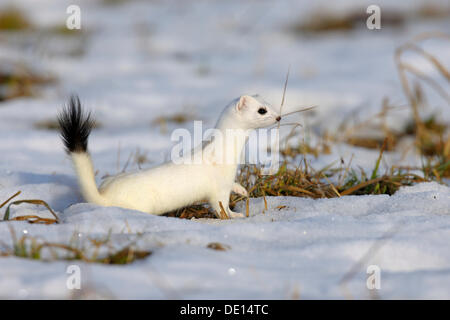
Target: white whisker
<point x="284" y="92"/>
<point x="286" y="124"/>
<point x="301" y="110"/>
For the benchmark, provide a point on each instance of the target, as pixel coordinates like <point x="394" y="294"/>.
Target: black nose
<point x="278" y="118"/>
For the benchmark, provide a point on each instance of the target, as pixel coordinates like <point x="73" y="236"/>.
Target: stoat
<point x="170" y="186"/>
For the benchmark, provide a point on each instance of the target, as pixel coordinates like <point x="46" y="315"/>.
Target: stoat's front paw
<point x="237" y="188"/>
<point x="234" y="215"/>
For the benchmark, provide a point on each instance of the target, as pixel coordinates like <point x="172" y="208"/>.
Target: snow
<point x="307" y="246"/>
<point x="147" y="59"/>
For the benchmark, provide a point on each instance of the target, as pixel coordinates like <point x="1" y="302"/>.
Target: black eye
<point x="262" y="111"/>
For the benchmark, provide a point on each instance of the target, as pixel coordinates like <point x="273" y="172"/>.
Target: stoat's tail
<point x="75" y="127"/>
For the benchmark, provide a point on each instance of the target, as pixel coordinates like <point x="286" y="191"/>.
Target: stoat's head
<point x="254" y="112"/>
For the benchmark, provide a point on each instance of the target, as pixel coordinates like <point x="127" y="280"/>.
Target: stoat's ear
<point x="242" y="103"/>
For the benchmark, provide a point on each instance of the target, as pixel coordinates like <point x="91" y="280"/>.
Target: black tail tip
<point x="75" y="126"/>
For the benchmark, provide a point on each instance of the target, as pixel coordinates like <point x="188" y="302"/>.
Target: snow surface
<point x="147" y="59"/>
